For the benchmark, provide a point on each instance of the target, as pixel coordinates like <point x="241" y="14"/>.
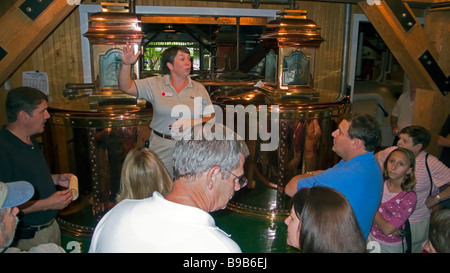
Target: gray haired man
<point x="12" y="195"/>
<point x="209" y="168"/>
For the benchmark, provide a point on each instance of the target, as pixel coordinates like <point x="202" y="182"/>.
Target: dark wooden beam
<point x="21" y="34"/>
<point x="407" y="42"/>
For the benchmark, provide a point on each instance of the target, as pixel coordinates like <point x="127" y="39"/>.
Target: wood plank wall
<point x="60" y="54"/>
<point x="330" y="17"/>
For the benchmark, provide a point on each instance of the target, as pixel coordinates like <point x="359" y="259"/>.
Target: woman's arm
<point x="383" y="225"/>
<point x="443" y="141"/>
<point x="125" y="82"/>
<point x="406" y="207"/>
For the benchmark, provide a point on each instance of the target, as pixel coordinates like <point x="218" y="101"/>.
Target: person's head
<point x="213" y="155"/>
<point x="439" y="234"/>
<point x="415" y="138"/>
<point x="28" y="106"/>
<point x="175" y="55"/>
<point x="322" y="221"/>
<point x="400" y="165"/>
<point x="142" y="174"/>
<point x="356" y="134"/>
<point x="12" y="195"/>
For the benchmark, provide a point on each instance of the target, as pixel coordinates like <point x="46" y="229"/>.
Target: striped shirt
<point x="439" y="172"/>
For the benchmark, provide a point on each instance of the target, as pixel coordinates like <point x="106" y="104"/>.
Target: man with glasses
<point x="209" y="169"/>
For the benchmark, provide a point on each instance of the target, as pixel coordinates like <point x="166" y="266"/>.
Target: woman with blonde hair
<point x="142" y="174"/>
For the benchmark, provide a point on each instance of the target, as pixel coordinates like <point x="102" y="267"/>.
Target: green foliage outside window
<point x="153" y="53"/>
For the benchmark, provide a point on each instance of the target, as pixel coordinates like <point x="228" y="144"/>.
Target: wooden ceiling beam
<point x="21" y="33"/>
<point x="408" y="43"/>
<point x="204" y="20"/>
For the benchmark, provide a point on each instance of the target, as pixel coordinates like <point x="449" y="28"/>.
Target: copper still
<point x="90" y="136"/>
<point x="95" y="134"/>
<point x="306" y="116"/>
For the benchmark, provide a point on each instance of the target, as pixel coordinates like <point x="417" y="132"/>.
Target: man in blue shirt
<point x="358" y="175"/>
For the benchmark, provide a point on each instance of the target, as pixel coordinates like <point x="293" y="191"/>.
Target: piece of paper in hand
<point x="73" y="185"/>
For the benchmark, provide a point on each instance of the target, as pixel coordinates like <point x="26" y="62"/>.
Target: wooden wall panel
<point x="330" y="17"/>
<point x="59" y="56"/>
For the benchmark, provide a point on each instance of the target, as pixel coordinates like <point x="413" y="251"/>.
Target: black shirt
<point x="21" y="161"/>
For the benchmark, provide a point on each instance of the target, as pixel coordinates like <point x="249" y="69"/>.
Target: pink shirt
<point x="394" y="208"/>
<point x="439" y="172"/>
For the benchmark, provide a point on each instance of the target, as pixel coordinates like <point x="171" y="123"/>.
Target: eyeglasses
<point x="243" y="181"/>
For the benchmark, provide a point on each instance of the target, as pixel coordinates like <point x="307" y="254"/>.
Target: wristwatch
<point x="438" y="197"/>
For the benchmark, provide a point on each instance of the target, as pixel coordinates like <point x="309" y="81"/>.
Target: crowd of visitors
<point x="389" y="198"/>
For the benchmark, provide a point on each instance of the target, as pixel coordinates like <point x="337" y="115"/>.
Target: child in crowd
<point x="397" y="204"/>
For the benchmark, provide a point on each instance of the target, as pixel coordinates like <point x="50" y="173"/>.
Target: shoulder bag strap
<point x="408" y="237"/>
<point x="429" y="173"/>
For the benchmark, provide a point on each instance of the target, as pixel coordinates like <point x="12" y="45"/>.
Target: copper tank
<point x="306" y="116"/>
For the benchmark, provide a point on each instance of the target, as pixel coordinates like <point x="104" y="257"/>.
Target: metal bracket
<point x="33" y="8"/>
<point x="405" y="18"/>
<point x="255" y="4"/>
<point x="435" y="72"/>
<point x="3" y="53"/>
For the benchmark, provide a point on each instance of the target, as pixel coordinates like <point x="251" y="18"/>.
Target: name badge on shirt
<point x="164" y="94"/>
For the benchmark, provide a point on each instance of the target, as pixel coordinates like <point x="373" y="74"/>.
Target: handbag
<point x="429" y="174"/>
<point x="408" y="236"/>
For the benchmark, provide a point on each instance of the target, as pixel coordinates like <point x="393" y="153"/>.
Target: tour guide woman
<point x="164" y="92"/>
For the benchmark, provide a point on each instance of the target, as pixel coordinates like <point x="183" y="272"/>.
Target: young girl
<point x="398" y="202"/>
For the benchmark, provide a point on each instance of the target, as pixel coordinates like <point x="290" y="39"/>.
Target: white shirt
<point x="155" y="224"/>
<point x="157" y="90"/>
<point x="403" y="110"/>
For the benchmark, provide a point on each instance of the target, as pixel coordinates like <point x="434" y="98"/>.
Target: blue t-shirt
<point x="360" y="180"/>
